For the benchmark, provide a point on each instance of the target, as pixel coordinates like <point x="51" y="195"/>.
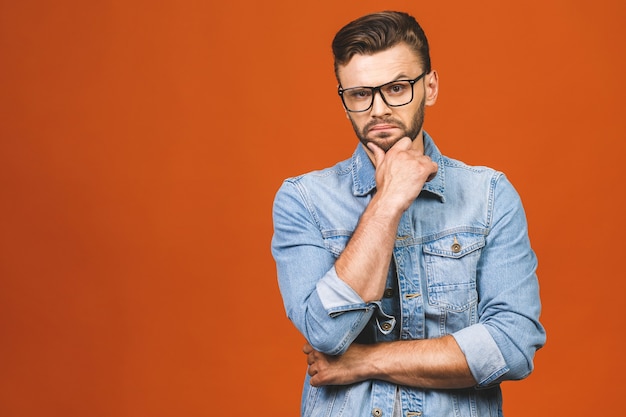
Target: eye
<point x="358" y="93"/>
<point x="397" y="88"/>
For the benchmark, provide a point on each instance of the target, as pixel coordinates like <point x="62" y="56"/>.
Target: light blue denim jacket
<point x="462" y="265"/>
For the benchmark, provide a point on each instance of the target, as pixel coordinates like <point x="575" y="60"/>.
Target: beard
<point x="380" y="139"/>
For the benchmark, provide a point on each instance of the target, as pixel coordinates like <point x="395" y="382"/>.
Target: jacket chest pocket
<point x="451" y="263"/>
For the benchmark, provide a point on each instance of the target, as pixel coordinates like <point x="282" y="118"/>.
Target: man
<point x="409" y="274"/>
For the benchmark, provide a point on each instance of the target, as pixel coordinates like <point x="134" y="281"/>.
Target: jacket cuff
<point x="482" y="354"/>
<point x="337" y="296"/>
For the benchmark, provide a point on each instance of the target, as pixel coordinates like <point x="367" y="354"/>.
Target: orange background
<point x="142" y="142"/>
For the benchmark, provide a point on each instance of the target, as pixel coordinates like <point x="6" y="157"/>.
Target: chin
<point x="385" y="143"/>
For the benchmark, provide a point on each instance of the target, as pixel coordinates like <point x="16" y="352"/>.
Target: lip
<point x="382" y="126"/>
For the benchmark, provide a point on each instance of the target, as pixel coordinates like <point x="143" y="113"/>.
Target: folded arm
<point x="430" y="363"/>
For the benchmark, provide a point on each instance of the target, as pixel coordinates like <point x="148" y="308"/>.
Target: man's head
<point x="387" y="53"/>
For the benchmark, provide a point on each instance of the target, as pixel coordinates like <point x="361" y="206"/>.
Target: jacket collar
<point x="364" y="174"/>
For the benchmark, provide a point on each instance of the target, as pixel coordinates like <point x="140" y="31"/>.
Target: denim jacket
<point x="462" y="265"/>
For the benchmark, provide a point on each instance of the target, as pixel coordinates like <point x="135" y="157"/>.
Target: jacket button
<point x="386" y="326"/>
<point x="456" y="247"/>
<point x="388" y="293"/>
<point x="377" y="412"/>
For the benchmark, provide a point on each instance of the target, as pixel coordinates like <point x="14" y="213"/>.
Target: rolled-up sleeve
<point x="502" y="345"/>
<point x="324" y="308"/>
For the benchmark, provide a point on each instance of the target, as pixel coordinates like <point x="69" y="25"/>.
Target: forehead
<point x="399" y="61"/>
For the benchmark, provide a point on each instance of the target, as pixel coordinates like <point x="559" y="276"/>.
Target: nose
<point x="379" y="107"/>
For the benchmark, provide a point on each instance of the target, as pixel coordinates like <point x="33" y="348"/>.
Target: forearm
<point x="430" y="363"/>
<point x="364" y="263"/>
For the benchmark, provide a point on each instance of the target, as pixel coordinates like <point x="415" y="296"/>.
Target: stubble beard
<point x="412" y="131"/>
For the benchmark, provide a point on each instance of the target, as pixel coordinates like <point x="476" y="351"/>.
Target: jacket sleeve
<point x="328" y="312"/>
<point x="502" y="345"/>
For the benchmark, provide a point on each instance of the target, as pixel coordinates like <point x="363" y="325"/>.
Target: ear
<point x="432" y="87"/>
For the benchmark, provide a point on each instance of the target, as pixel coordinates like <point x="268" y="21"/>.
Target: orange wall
<point x="141" y="144"/>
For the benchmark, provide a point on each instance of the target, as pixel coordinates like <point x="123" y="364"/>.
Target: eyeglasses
<point x="394" y="94"/>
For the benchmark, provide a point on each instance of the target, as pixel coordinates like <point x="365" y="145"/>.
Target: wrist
<point x="387" y="206"/>
<point x="371" y="362"/>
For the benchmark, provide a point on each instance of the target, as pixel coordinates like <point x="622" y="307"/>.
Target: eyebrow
<point x="401" y="76"/>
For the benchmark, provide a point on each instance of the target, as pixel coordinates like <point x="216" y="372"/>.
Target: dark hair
<point x="377" y="32"/>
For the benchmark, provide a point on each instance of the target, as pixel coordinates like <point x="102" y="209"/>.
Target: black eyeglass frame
<point x="341" y="90"/>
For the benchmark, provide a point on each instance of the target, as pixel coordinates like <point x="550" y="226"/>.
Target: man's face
<point x="382" y="124"/>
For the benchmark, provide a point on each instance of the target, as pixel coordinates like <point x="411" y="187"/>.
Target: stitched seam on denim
<point x="308" y="203"/>
<point x="492" y="197"/>
<point x="409" y="241"/>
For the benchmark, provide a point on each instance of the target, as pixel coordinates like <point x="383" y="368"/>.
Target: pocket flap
<point x="455" y="245"/>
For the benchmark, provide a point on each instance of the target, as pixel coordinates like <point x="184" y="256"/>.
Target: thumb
<point x="379" y="154"/>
